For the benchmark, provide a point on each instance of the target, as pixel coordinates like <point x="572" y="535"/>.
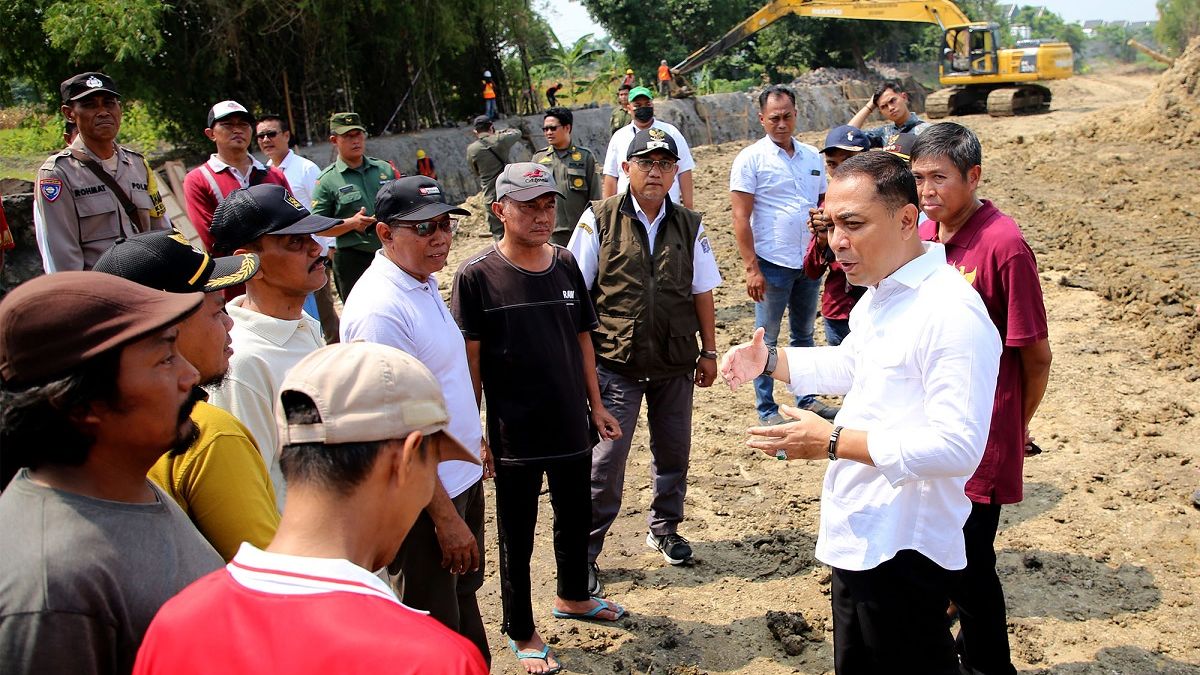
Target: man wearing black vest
<point x="651" y="270"/>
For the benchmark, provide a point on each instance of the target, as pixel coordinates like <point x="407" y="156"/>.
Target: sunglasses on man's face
<point x="550" y="127"/>
<point x="426" y="229"/>
<point x="266" y="134"/>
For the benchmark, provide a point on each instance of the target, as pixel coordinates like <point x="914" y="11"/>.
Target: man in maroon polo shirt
<point x="987" y="247"/>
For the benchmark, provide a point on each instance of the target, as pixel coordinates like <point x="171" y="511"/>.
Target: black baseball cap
<point x="482" y="122"/>
<point x="413" y="199"/>
<point x="165" y="260"/>
<point x="901" y="145"/>
<point x="649" y="140"/>
<point x="86" y="84"/>
<point x="252" y="212"/>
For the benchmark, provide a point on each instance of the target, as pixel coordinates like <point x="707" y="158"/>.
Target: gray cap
<point x="524" y="181"/>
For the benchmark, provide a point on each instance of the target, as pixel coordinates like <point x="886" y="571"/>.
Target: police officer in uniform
<point x="94" y="191"/>
<point x="621" y="116"/>
<point x="573" y="166"/>
<point x="346" y="190"/>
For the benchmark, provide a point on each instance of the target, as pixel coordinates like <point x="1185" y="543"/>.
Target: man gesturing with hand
<point x="918" y="372"/>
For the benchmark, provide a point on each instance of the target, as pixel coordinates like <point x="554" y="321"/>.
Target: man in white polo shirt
<point x="918" y="371"/>
<point x="772" y="186"/>
<point x="440" y="567"/>
<point x="616" y="178"/>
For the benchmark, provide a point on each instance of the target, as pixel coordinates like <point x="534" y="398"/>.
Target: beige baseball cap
<point x="368" y="392"/>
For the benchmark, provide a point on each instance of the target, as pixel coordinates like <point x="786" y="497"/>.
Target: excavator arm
<point x="941" y="12"/>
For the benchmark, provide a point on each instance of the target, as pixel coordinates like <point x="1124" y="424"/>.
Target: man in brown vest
<point x="651" y="271"/>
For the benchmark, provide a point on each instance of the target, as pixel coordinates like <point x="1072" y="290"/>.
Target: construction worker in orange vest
<point x="489" y="95"/>
<point x="664" y="79"/>
<point x="425" y="165"/>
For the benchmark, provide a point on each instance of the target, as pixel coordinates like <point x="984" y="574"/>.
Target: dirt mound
<point x="1167" y="115"/>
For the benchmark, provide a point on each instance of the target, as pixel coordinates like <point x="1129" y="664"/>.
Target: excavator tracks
<point x="1008" y="101"/>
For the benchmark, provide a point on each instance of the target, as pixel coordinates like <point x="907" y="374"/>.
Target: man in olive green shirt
<point x="621" y="116"/>
<point x="487" y="157"/>
<point x="346" y="190"/>
<point x="573" y="166"/>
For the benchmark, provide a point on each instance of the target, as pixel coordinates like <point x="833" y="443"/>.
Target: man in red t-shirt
<point x="362" y="427"/>
<point x="987" y="247"/>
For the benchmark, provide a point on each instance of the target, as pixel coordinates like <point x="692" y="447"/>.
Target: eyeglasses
<point x="266" y="134"/>
<point x="663" y="165"/>
<point x="426" y="229"/>
<point x="549" y="127"/>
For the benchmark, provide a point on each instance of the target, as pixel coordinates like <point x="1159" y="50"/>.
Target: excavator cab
<point x="971" y="50"/>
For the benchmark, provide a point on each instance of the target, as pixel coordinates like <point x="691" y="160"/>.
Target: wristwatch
<point x="709" y="354"/>
<point x="833" y="439"/>
<point x="772" y="360"/>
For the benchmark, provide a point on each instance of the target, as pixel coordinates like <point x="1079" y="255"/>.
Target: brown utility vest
<point x="648" y="325"/>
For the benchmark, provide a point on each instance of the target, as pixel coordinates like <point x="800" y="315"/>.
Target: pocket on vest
<point x="614" y="337"/>
<point x="682" y="349"/>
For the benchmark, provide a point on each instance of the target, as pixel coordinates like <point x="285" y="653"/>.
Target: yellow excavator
<point x="975" y="74"/>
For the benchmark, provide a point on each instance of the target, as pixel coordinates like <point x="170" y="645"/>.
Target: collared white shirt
<point x="784" y="189"/>
<point x="302" y="175"/>
<point x="918" y="371"/>
<point x="618" y="147"/>
<point x="218" y="165"/>
<point x="282" y="574"/>
<point x="391" y="307"/>
<point x="585" y="246"/>
<point x="264" y="350"/>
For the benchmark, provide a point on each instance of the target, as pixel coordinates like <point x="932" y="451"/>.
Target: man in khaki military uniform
<point x="621" y="115"/>
<point x="94" y="191"/>
<point x="574" y="167"/>
<point x="487" y="157"/>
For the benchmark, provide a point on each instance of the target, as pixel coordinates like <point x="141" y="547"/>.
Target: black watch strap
<point x="833" y="441"/>
<point x="709" y="354"/>
<point x="772" y="360"/>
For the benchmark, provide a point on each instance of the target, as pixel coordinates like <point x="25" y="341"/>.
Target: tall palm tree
<point x="570" y="61"/>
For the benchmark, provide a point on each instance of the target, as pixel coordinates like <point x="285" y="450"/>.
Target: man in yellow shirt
<point x="220" y="479"/>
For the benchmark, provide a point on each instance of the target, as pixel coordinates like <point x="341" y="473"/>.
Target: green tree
<point x="1178" y="23"/>
<point x="571" y="61"/>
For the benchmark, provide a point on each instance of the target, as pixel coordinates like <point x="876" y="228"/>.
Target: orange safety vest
<point x="425" y="167"/>
<point x="488" y="90"/>
<point x="664" y="73"/>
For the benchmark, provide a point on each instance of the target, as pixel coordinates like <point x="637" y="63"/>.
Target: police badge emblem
<point x="93" y="82"/>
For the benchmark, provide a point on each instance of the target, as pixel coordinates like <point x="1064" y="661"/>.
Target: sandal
<point x="542" y="654"/>
<point x="592" y="614"/>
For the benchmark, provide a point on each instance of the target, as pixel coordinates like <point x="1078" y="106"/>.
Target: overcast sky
<point x="570" y="20"/>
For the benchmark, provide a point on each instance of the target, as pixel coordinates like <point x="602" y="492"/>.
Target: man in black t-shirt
<point x="527" y="317"/>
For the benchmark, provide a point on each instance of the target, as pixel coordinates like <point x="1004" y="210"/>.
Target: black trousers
<point x="982" y="641"/>
<point x="348" y="265"/>
<point x="517" y="490"/>
<point x="892" y="618"/>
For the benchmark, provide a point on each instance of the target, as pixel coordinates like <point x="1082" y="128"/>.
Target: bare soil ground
<point x="1099" y="562"/>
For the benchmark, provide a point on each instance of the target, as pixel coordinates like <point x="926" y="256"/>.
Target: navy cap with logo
<point x="252" y="212"/>
<point x="227" y="108"/>
<point x="86" y="84"/>
<point x="165" y="260"/>
<point x="523" y="181"/>
<point x="649" y="140"/>
<point x="413" y="199"/>
<point x="848" y="138"/>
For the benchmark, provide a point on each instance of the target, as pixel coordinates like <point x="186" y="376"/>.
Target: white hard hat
<point x="487" y="73"/>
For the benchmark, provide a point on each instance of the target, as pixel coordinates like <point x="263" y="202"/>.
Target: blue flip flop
<point x="591" y="614"/>
<point x="535" y="654"/>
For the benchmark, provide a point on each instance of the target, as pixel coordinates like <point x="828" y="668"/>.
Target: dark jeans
<point x="669" y="412"/>
<point x="348" y="265"/>
<point x="983" y="624"/>
<point x="422" y="583"/>
<point x="786" y="289"/>
<point x="517" y="490"/>
<point x="892" y="618"/>
<point x="836" y="330"/>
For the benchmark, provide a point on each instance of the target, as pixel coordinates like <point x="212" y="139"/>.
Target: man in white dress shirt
<point x="772" y="186"/>
<point x="275" y="140"/>
<point x="918" y="371"/>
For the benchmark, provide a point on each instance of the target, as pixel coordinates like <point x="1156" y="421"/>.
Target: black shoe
<point x="827" y="411"/>
<point x="674" y="548"/>
<point x="595" y="588"/>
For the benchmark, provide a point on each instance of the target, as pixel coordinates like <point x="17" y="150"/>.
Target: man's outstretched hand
<point x="744" y="362"/>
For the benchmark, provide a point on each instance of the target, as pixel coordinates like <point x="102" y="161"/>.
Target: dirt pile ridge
<point x="1168" y="114"/>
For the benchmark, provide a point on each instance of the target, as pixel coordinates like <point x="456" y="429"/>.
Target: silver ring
<point x="781" y="454"/>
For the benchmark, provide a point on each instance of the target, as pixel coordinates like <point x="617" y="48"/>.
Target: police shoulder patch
<point x="586" y="228"/>
<point x="51" y="187"/>
<point x="705" y="246"/>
